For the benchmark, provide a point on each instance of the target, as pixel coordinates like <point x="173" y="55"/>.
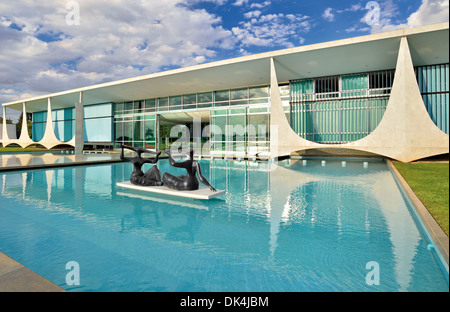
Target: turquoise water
<point x="295" y="225"/>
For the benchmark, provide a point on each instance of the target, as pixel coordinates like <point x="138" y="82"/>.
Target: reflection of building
<point x="385" y="94"/>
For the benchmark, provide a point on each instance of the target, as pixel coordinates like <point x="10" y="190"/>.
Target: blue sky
<point x="48" y="46"/>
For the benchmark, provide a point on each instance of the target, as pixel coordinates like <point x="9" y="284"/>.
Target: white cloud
<point x="240" y="2"/>
<point x="431" y="11"/>
<point x="252" y="14"/>
<point x="272" y="30"/>
<point x="260" y="5"/>
<point x="355" y="7"/>
<point x="115" y="39"/>
<point x="328" y="15"/>
<point x="40" y="53"/>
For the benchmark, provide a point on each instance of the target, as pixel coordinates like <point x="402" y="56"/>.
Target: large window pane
<point x="137" y="124"/>
<point x="150" y="105"/>
<point x="175" y="102"/>
<point x="128" y="131"/>
<point x="118" y="132"/>
<point x="219" y="128"/>
<point x="205" y="97"/>
<point x="259" y="92"/>
<point x="239" y="94"/>
<point x="163" y="104"/>
<point x="150" y="130"/>
<point x="236" y="133"/>
<point x="92" y="133"/>
<point x="128" y="106"/>
<point x="221" y="95"/>
<point x="139" y="106"/>
<point x="118" y="107"/>
<point x="189" y="99"/>
<point x="258" y="129"/>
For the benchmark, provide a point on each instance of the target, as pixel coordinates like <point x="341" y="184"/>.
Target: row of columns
<point x="49" y="140"/>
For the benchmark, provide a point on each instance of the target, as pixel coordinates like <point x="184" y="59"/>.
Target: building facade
<point x="384" y="94"/>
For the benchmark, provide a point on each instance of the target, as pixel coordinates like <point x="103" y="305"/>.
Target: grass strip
<point x="430" y="182"/>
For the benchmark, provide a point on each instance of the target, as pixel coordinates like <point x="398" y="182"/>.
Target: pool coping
<point x="14" y="277"/>
<point x="437" y="235"/>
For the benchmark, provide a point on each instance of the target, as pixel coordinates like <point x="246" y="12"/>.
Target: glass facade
<point x="98" y="123"/>
<point x="239" y="120"/>
<point x="136" y="129"/>
<point x="433" y="83"/>
<point x="339" y="109"/>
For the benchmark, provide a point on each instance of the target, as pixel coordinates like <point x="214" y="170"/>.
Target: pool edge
<point x="437" y="235"/>
<point x="14" y="277"/>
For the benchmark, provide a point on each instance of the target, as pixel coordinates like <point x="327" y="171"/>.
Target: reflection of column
<point x="79" y="126"/>
<point x="79" y="185"/>
<point x="4" y="183"/>
<point x="401" y="226"/>
<point x="291" y="180"/>
<point x="49" y="176"/>
<point x="24" y="183"/>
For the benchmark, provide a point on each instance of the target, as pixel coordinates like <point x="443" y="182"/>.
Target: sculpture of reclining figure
<point x="152" y="177"/>
<point x="189" y="181"/>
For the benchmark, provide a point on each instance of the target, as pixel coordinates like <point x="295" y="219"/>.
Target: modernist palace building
<point x="384" y="94"/>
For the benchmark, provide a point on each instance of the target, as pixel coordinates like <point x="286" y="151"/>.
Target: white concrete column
<point x="79" y="126"/>
<point x="24" y="139"/>
<point x="406" y="131"/>
<point x="283" y="139"/>
<point x="49" y="140"/>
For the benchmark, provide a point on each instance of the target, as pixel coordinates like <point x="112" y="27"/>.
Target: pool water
<point x="294" y="225"/>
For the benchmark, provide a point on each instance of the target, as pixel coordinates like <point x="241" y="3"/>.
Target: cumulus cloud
<point x="328" y="15"/>
<point x="260" y="5"/>
<point x="240" y="2"/>
<point x="387" y="16"/>
<point x="40" y="53"/>
<point x="272" y="29"/>
<point x="431" y="11"/>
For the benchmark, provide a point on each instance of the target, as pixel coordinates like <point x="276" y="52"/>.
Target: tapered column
<point x="24" y="139"/>
<point x="406" y="131"/>
<point x="283" y="140"/>
<point x="49" y="140"/>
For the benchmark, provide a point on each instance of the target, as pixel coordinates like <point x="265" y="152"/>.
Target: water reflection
<point x="24" y="160"/>
<point x="283" y="213"/>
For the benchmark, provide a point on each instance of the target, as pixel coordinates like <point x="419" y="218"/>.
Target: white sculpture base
<point x="201" y="193"/>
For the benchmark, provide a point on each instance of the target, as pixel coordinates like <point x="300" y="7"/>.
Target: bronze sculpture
<point x="188" y="182"/>
<point x="150" y="178"/>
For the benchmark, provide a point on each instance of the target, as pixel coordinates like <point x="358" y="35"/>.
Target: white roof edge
<point x="254" y="57"/>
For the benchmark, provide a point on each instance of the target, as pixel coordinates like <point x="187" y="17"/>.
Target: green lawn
<point x="19" y="149"/>
<point x="429" y="181"/>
